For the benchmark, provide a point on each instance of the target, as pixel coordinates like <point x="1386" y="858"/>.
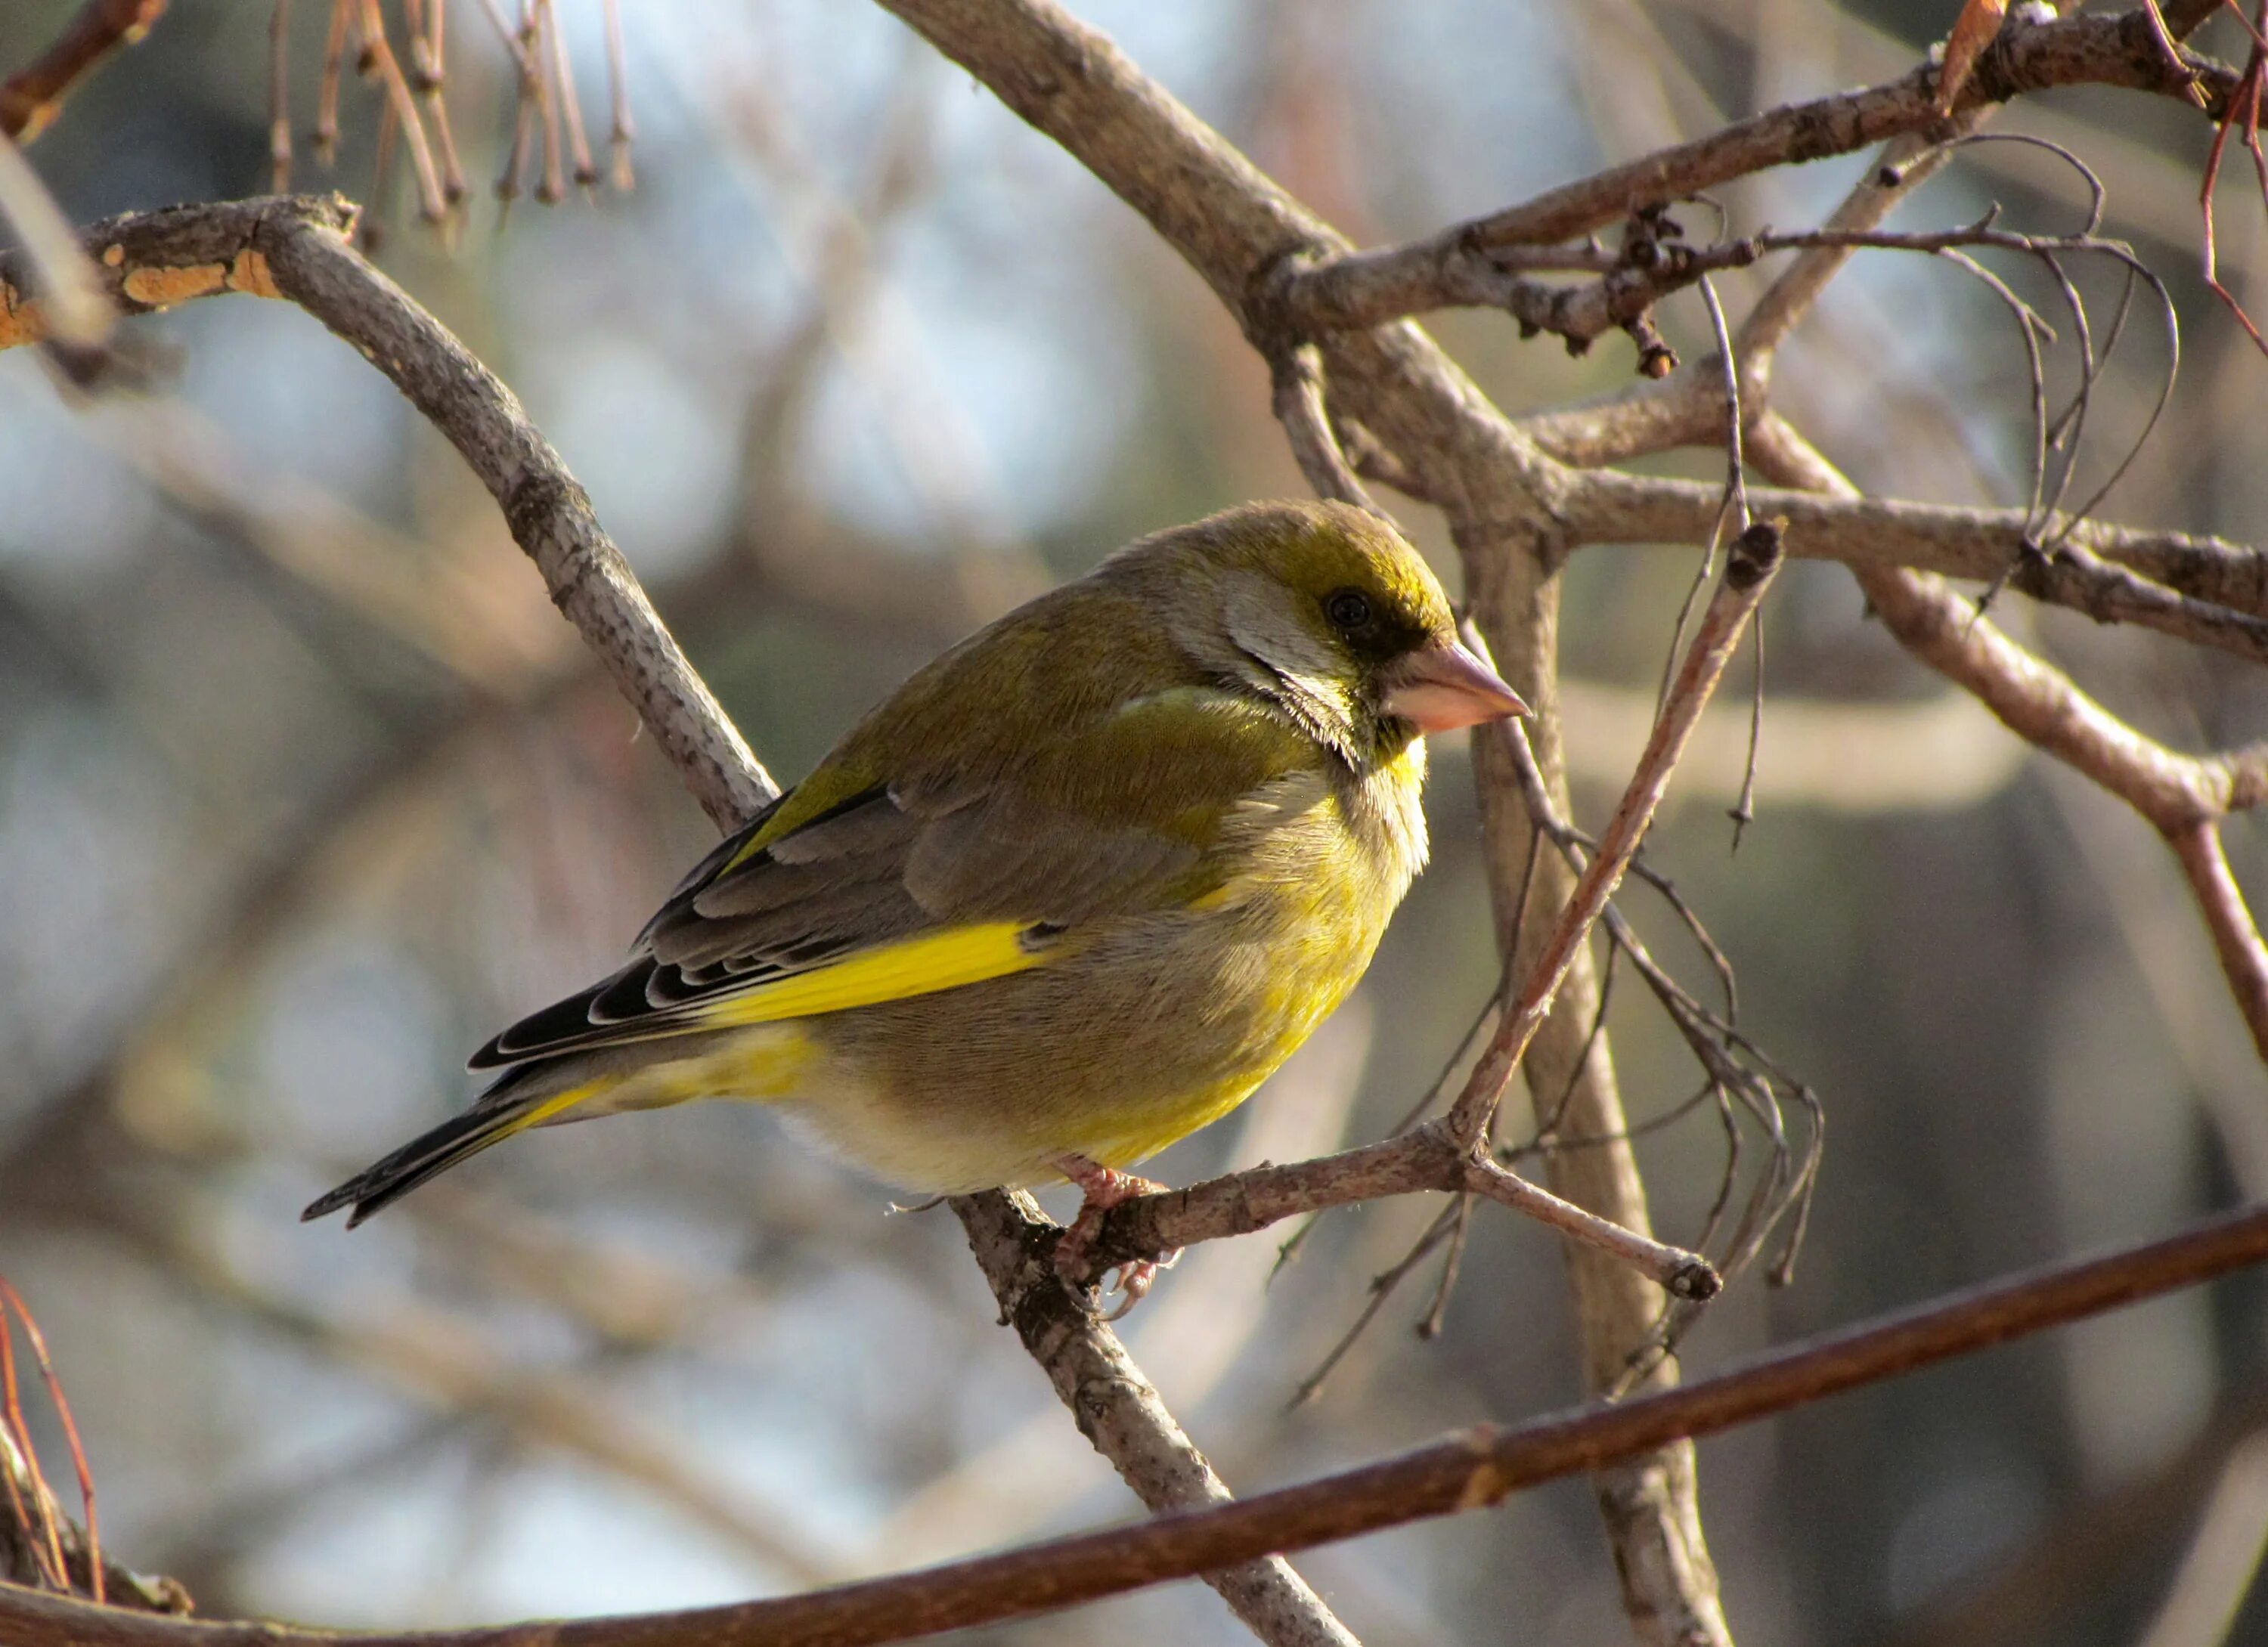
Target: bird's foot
<point x="1105" y="1187"/>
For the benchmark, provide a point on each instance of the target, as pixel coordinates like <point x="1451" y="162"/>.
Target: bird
<point x="1072" y="892"/>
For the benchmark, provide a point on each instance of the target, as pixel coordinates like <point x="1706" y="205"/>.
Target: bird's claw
<point x="1133" y="1281"/>
<point x="1105" y="1187"/>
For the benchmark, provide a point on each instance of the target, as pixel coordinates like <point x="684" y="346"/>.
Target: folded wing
<point x="944" y="877"/>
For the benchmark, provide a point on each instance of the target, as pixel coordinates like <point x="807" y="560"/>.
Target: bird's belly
<point x="1157" y="1028"/>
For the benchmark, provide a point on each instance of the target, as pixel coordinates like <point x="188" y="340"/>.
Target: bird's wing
<point x="945" y="877"/>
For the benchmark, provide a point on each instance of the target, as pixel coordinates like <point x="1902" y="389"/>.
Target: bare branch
<point x="32" y="96"/>
<point x="1014" y="1244"/>
<point x="2202" y="589"/>
<point x="1467" y="1470"/>
<point x="1297" y="374"/>
<point x="296" y="248"/>
<point x="2033" y="699"/>
<point x="2235" y="938"/>
<point x="1427" y="1157"/>
<point x="1359" y="289"/>
<point x="1748" y="572"/>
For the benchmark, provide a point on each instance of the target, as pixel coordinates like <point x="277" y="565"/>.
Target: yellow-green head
<point x="1324" y="610"/>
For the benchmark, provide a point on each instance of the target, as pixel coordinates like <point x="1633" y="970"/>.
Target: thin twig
<point x="1748" y="573"/>
<point x="324" y="138"/>
<point x="279" y="97"/>
<point x="2236" y="936"/>
<point x="1362" y="289"/>
<point x="433" y="203"/>
<point x="1297" y="376"/>
<point x="620" y="133"/>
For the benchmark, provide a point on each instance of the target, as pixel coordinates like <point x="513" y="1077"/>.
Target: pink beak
<point x="1442" y="687"/>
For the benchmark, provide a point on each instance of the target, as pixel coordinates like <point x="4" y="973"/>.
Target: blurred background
<point x="304" y="789"/>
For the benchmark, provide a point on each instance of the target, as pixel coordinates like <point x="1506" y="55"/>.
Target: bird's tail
<point x="504" y="1109"/>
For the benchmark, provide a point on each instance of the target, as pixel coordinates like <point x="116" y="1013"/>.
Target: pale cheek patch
<point x="1256" y="620"/>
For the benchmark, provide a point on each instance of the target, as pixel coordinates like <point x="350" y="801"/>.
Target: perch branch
<point x="1119" y="1410"/>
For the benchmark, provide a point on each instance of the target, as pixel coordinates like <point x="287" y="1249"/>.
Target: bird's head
<point x="1328" y="613"/>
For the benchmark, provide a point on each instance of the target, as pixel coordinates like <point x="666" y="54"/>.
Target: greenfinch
<point x="1072" y="892"/>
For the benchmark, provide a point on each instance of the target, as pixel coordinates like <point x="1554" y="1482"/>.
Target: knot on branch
<point x="1755" y="554"/>
<point x="1274" y="317"/>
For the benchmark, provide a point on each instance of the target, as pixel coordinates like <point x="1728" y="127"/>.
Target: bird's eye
<point x="1348" y="609"/>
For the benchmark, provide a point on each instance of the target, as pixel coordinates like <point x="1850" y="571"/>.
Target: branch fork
<point x="1430" y="1156"/>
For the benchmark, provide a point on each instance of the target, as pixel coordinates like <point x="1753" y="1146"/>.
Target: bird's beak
<point x="1443" y="686"/>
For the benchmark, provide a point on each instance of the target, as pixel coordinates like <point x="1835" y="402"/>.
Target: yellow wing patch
<point x="919" y="965"/>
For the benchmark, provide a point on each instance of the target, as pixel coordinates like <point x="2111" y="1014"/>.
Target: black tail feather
<point x="460" y="1137"/>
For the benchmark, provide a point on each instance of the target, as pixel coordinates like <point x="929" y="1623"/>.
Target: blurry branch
<point x="836" y="244"/>
<point x="2243" y="957"/>
<point x="627" y="1297"/>
<point x="2091" y="1549"/>
<point x="32" y="96"/>
<point x="1296" y="372"/>
<point x="296" y="248"/>
<point x="202" y="1541"/>
<point x="2223" y="1559"/>
<point x="1363" y="289"/>
<point x="448" y="1366"/>
<point x="1941" y="754"/>
<point x="2185" y="797"/>
<point x="65" y="305"/>
<point x="433" y="599"/>
<point x="2148" y="904"/>
<point x="1467" y="1470"/>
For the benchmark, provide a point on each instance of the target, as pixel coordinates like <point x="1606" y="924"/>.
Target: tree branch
<point x="32" y="96"/>
<point x="296" y="247"/>
<point x="1466" y="1470"/>
<point x="1119" y="1410"/>
<point x="1361" y="289"/>
<point x="2204" y="590"/>
<point x="1429" y="1157"/>
<point x="2236" y="936"/>
<point x="2034" y="699"/>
